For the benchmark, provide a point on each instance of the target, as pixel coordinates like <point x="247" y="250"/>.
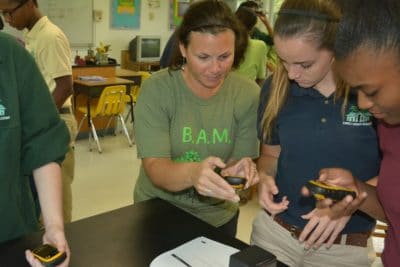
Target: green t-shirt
<point x="172" y="122"/>
<point x="254" y="64"/>
<point x="31" y="135"/>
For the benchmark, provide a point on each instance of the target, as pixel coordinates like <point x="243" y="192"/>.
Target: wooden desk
<point x="129" y="75"/>
<point x="130" y="236"/>
<point x="93" y="89"/>
<point x="100" y="70"/>
<point x="119" y="72"/>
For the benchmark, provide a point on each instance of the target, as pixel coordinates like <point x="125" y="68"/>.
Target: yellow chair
<point x="134" y="92"/>
<point x="111" y="103"/>
<point x="379" y="234"/>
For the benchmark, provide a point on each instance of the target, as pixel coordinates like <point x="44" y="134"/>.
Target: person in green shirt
<point x="34" y="141"/>
<point x="197" y="116"/>
<point x="258" y="34"/>
<point x="254" y="65"/>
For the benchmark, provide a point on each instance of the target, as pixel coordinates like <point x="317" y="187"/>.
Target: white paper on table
<point x="92" y="78"/>
<point x="199" y="252"/>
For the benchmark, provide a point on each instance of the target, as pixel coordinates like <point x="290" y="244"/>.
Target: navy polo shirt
<point x="314" y="133"/>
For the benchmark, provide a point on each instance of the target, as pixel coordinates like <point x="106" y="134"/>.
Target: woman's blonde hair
<point x="316" y="20"/>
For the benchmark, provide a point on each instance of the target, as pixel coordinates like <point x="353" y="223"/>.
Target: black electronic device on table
<point x="253" y="256"/>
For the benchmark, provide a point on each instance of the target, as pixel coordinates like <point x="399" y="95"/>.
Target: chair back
<point x="111" y="101"/>
<point x="135" y="89"/>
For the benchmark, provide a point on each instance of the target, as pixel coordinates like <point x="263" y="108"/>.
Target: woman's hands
<point x="246" y="168"/>
<point x="208" y="183"/>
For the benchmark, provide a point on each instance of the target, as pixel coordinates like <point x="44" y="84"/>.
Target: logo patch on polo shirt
<point x="3" y="113"/>
<point x="357" y="117"/>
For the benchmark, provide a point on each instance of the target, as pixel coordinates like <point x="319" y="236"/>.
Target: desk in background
<point x="94" y="88"/>
<point x="127" y="63"/>
<point x="89" y="70"/>
<point x="100" y="70"/>
<point x="129" y="75"/>
<point x="91" y="89"/>
<point x="130" y="236"/>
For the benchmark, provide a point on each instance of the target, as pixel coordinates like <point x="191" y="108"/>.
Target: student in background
<point x="254" y="64"/>
<point x="50" y="48"/>
<point x="305" y="126"/>
<point x="197" y="116"/>
<point x="257" y="33"/>
<point x="367" y="52"/>
<point x="33" y="141"/>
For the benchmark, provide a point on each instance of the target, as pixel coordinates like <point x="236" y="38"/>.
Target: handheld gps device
<point x="48" y="255"/>
<point x="236" y="182"/>
<point x="321" y="191"/>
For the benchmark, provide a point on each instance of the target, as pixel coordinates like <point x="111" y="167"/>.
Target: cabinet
<point x="127" y="63"/>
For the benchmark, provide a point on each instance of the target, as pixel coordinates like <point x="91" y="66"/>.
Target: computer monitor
<point x="145" y="48"/>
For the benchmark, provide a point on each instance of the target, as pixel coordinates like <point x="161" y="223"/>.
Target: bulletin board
<point x="177" y="9"/>
<point x="125" y="14"/>
<point x="74" y="17"/>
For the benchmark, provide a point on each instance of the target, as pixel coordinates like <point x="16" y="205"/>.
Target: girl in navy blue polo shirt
<point x="304" y="126"/>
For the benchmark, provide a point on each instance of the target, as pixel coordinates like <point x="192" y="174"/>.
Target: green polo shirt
<point x="31" y="135"/>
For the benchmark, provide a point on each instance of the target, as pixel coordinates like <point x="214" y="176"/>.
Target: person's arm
<point x="266" y="23"/>
<point x="63" y="90"/>
<point x="178" y="176"/>
<point x="266" y="166"/>
<point x="268" y="160"/>
<point x="262" y="64"/>
<point x="371" y="205"/>
<point x="48" y="184"/>
<point x="54" y="56"/>
<point x="260" y="81"/>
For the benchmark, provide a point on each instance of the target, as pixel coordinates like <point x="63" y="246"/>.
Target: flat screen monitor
<point x="145" y="48"/>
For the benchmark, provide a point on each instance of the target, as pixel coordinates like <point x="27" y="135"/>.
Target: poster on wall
<point x="125" y="14"/>
<point x="176" y="11"/>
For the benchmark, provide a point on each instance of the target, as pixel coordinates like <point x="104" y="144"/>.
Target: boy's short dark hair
<point x="249" y="4"/>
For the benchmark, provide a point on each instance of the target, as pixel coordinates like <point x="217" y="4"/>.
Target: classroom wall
<point x="153" y="21"/>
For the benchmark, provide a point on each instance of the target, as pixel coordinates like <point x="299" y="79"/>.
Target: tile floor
<point x="105" y="182"/>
